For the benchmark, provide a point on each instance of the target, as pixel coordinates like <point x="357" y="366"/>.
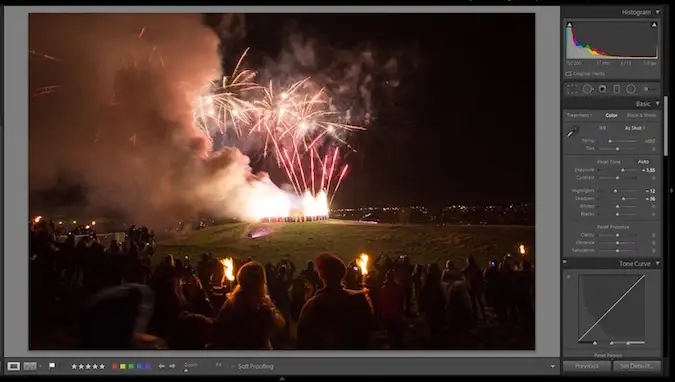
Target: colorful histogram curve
<point x="591" y="50"/>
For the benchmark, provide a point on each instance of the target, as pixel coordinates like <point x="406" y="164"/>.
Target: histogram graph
<point x="611" y="40"/>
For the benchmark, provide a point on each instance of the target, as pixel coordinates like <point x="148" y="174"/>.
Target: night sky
<point x="460" y="125"/>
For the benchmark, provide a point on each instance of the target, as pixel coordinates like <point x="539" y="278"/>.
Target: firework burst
<point x="225" y="104"/>
<point x="295" y="123"/>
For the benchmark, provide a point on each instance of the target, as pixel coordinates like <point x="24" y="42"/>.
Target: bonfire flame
<point x="362" y="262"/>
<point x="228" y="269"/>
<point x="521" y="249"/>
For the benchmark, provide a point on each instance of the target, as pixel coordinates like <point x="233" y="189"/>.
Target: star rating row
<point x="87" y="366"/>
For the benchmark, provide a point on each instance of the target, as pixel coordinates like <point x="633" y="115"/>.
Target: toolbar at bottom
<point x="285" y="366"/>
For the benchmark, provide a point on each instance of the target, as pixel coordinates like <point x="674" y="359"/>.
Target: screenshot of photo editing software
<point x="300" y="191"/>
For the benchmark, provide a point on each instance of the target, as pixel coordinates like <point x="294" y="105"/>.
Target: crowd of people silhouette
<point x="84" y="295"/>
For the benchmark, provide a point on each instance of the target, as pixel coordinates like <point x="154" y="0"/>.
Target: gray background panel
<point x="547" y="78"/>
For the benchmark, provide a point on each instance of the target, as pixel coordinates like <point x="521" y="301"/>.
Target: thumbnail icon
<point x="13" y="366"/>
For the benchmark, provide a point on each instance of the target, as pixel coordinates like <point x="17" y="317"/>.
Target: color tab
<point x="123" y="366"/>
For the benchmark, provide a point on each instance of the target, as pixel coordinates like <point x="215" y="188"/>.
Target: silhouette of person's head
<point x="331" y="269"/>
<point x="191" y="332"/>
<point x="251" y="279"/>
<point x="434" y="275"/>
<point x="112" y="320"/>
<point x="310" y="266"/>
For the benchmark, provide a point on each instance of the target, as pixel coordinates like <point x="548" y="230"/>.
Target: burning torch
<point x="362" y="263"/>
<point x="228" y="270"/>
<point x="521" y="250"/>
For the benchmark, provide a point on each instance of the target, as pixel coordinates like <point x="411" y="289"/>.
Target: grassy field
<point x="304" y="241"/>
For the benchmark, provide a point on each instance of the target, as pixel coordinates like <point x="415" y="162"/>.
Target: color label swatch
<point x="131" y="366"/>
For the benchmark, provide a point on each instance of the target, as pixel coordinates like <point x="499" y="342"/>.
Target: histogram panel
<point x="622" y="40"/>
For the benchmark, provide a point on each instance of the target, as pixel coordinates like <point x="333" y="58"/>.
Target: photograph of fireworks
<point x="279" y="182"/>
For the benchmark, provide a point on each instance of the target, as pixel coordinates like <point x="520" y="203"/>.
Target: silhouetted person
<point x="474" y="277"/>
<point x="301" y="290"/>
<point x="508" y="282"/>
<point x="335" y="318"/>
<point x="459" y="308"/>
<point x="392" y="299"/>
<point x="115" y="317"/>
<point x="404" y="271"/>
<point x="169" y="298"/>
<point x="373" y="288"/>
<point x="524" y="294"/>
<point x="67" y="253"/>
<point x="493" y="292"/>
<point x="197" y="298"/>
<point x="248" y="317"/>
<point x="417" y="279"/>
<point x="432" y="305"/>
<point x="191" y="332"/>
<point x="352" y="277"/>
<point x="279" y="291"/>
<point x="311" y="275"/>
<point x="205" y="269"/>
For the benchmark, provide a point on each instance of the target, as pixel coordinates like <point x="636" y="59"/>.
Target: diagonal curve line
<point x="610" y="308"/>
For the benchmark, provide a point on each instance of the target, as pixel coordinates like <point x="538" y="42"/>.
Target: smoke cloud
<point x="111" y="106"/>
